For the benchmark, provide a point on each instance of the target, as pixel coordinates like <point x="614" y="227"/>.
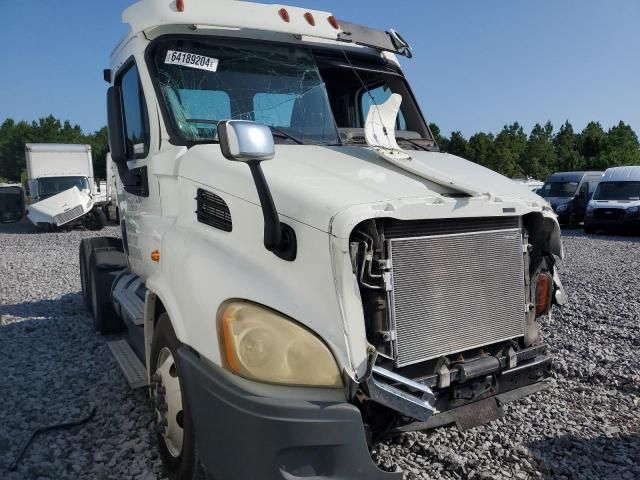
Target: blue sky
<point x="478" y="64"/>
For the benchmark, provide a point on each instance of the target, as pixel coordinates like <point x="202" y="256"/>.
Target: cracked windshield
<point x="203" y="83"/>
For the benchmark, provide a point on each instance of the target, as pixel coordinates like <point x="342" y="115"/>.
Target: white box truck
<point x="302" y="273"/>
<point x="61" y="186"/>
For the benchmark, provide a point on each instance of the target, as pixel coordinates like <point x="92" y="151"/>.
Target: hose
<point x="56" y="426"/>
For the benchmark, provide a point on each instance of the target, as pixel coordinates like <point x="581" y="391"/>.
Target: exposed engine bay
<point x="452" y="304"/>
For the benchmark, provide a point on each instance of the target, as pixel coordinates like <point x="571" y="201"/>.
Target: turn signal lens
<point x="284" y="15"/>
<point x="309" y="18"/>
<point x="180" y="5"/>
<point x="544" y="286"/>
<point x="262" y="345"/>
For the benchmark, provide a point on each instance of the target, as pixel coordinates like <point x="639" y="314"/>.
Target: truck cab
<point x="302" y="273"/>
<point x="12" y="203"/>
<point x="569" y="193"/>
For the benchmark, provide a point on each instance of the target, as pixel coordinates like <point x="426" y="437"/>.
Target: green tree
<point x="99" y="141"/>
<point x="591" y="143"/>
<point x="568" y="158"/>
<point x="509" y="146"/>
<point x="620" y="147"/>
<point x="539" y="157"/>
<point x="442" y="142"/>
<point x="481" y="149"/>
<point x="458" y="145"/>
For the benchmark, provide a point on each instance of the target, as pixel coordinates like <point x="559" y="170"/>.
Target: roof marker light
<point x="284" y="15"/>
<point x="180" y="5"/>
<point x="333" y="22"/>
<point x="309" y="18"/>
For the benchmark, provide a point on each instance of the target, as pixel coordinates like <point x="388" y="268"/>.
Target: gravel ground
<point x="54" y="368"/>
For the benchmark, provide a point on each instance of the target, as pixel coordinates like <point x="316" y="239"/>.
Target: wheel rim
<point x="169" y="403"/>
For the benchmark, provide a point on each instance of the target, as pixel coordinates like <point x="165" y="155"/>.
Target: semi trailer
<point x="61" y="187"/>
<point x="301" y="272"/>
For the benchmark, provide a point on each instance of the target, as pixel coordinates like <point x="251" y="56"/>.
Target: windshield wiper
<point x="282" y="134"/>
<point x="414" y="143"/>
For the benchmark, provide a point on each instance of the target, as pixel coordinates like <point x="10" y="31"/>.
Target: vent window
<point x="213" y="211"/>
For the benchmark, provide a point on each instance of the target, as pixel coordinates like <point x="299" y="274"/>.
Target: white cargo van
<point x="61" y="186"/>
<point x="302" y="273"/>
<point x="616" y="201"/>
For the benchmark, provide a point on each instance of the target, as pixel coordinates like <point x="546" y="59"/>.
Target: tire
<point x="589" y="229"/>
<point x="95" y="219"/>
<point x="105" y="319"/>
<point x="84" y="273"/>
<point x="87" y="245"/>
<point x="185" y="464"/>
<point x="573" y="221"/>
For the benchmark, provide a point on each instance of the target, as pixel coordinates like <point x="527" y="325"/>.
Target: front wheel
<point x="589" y="228"/>
<point x="176" y="436"/>
<point x="95" y="219"/>
<point x="574" y="222"/>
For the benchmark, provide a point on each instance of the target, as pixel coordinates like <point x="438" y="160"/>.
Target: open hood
<point x="312" y="184"/>
<point x="61" y="208"/>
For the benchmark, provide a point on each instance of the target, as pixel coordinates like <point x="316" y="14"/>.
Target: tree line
<point x="511" y="152"/>
<point x="14" y="135"/>
<point x="517" y="155"/>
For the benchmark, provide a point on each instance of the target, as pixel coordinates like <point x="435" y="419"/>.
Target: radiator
<point x="455" y="292"/>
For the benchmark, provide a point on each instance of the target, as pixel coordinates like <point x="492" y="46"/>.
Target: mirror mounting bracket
<point x="279" y="237"/>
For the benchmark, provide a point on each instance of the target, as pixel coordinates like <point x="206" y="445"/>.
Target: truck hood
<point x="51" y="210"/>
<point x="313" y="184"/>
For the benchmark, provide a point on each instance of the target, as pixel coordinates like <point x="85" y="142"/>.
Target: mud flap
<point x="477" y="413"/>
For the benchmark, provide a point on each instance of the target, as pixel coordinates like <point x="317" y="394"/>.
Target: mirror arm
<point x="279" y="238"/>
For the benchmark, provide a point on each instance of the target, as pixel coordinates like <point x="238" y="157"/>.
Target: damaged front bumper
<point x="469" y="394"/>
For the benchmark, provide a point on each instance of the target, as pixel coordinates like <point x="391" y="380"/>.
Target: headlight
<point x="260" y="344"/>
<point x="562" y="208"/>
<point x="590" y="209"/>
<point x="633" y="210"/>
<point x="89" y="204"/>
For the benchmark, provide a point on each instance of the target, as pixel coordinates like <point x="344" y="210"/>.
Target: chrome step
<point x="130" y="364"/>
<point x="126" y="302"/>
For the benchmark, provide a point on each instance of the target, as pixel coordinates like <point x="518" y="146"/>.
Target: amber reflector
<point x="309" y="18"/>
<point x="543" y="293"/>
<point x="284" y="15"/>
<point x="155" y="256"/>
<point x="333" y="22"/>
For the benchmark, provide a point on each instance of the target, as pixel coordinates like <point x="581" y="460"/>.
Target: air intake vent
<point x="213" y="211"/>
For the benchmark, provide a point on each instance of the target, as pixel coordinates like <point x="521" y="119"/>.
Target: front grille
<point x="609" y="213"/>
<point x="69" y="215"/>
<point x="456" y="292"/>
<point x="213" y="211"/>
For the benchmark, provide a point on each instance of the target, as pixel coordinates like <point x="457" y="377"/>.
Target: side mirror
<point x="115" y="124"/>
<point x="252" y="143"/>
<point x="12" y="204"/>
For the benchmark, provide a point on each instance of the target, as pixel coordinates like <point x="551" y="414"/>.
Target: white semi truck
<point x="290" y="313"/>
<point x="61" y="186"/>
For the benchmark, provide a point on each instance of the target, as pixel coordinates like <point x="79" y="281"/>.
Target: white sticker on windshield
<point x="191" y="60"/>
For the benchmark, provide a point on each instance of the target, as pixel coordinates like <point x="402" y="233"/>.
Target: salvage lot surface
<point x="54" y="368"/>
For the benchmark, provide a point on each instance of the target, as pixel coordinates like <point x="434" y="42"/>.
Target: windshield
<point x="558" y="189"/>
<point x="617" y="191"/>
<point x="204" y="81"/>
<point x="319" y="96"/>
<point x="49" y="186"/>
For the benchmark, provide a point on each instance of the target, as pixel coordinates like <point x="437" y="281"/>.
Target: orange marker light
<point x="155" y="256"/>
<point x="544" y="283"/>
<point x="284" y="15"/>
<point x="309" y="18"/>
<point x="333" y="22"/>
<point x="180" y="5"/>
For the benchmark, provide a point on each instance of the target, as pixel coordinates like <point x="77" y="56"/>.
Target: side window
<point x="136" y="120"/>
<point x="377" y="96"/>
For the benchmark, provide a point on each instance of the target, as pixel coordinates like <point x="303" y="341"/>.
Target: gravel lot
<point x="54" y="368"/>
